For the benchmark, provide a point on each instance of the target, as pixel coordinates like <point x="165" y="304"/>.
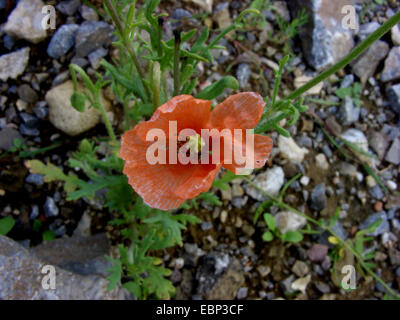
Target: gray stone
<point x="393" y="155"/>
<point x="34" y="178"/>
<point x="96" y="56"/>
<point x="324" y="39"/>
<point x="271" y="181"/>
<point x="365" y="66"/>
<point x="243" y="75"/>
<point x="366" y="29"/>
<point x="391" y="70"/>
<point x="27" y="94"/>
<point x="29" y="120"/>
<point x="347" y="81"/>
<point x="393" y="93"/>
<point x="50" y="208"/>
<point x="68" y="7"/>
<point x="92" y="35"/>
<point x="62" y="41"/>
<point x="376" y="192"/>
<point x="27" y="131"/>
<point x="381" y="229"/>
<point x="242" y="293"/>
<point x="338" y="229"/>
<point x="88" y="13"/>
<point x="21" y="279"/>
<point x="349" y="113"/>
<point x="318" y="197"/>
<point x="7" y="136"/>
<point x="25" y="21"/>
<point x="13" y="64"/>
<point x="300" y="268"/>
<point x="379" y="143"/>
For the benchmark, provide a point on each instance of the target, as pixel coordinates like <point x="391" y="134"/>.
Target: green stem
<point x="156" y="84"/>
<point x="283" y="205"/>
<point x="107" y="123"/>
<point x="387" y="26"/>
<point x="128" y="44"/>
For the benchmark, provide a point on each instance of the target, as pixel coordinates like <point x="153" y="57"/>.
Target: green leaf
<point x="48" y="235"/>
<point x="134" y="288"/>
<point x="6" y="224"/>
<point x="115" y="272"/>
<point x="270" y="221"/>
<point x="267" y="236"/>
<point x="53" y="173"/>
<point x="217" y="88"/>
<point x="292" y="236"/>
<point x="210" y="198"/>
<point x="222" y="183"/>
<point x="78" y="101"/>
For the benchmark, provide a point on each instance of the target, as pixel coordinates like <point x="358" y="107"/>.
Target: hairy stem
<point x="128" y="44"/>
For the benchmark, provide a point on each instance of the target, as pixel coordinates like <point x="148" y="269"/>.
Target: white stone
<point x="356" y="137"/>
<point x="305" y="180"/>
<point x="289" y="221"/>
<point x="391" y="185"/>
<point x="64" y="117"/>
<point x="290" y="150"/>
<point x="301" y="284"/>
<point x="302" y="80"/>
<point x="322" y="162"/>
<point x="271" y="181"/>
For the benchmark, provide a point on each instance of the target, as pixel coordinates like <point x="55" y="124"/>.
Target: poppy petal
<point x="186" y="110"/>
<point x="200" y="181"/>
<point x="259" y="153"/>
<point x="154" y="184"/>
<point x="240" y="111"/>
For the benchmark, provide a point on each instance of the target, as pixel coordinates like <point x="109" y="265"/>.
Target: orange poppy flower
<point x="167" y="186"/>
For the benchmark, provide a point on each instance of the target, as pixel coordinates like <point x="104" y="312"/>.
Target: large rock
<point x="12" y="65"/>
<point x="21" y="279"/>
<point x="366" y="65"/>
<point x="92" y="35"/>
<point x="81" y="255"/>
<point x="64" y="117"/>
<point x="25" y="21"/>
<point x="391" y="70"/>
<point x="324" y="39"/>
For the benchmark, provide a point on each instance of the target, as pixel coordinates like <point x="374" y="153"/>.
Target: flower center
<point x="195" y="143"/>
